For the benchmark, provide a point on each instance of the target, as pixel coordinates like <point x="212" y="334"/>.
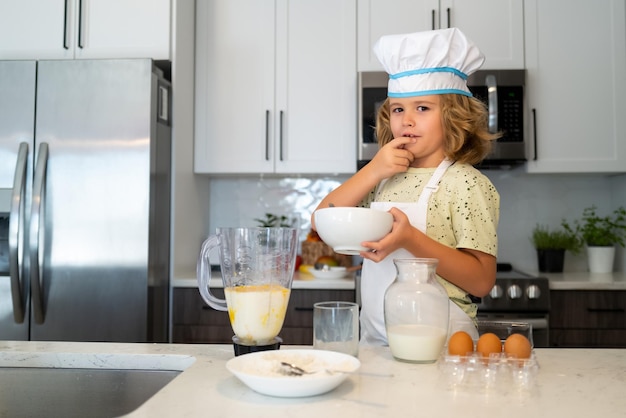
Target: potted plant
<point x="275" y="221"/>
<point x="551" y="246"/>
<point x="600" y="234"/>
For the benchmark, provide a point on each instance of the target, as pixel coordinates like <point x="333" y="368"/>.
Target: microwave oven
<point x="501" y="90"/>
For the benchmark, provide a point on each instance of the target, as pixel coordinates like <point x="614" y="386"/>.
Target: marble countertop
<point x="558" y="281"/>
<point x="585" y="280"/>
<point x="570" y="382"/>
<point x="300" y="281"/>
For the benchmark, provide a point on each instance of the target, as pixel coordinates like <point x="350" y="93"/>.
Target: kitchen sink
<point x="82" y="385"/>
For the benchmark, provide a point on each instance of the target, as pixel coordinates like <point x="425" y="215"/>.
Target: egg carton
<point x="499" y="371"/>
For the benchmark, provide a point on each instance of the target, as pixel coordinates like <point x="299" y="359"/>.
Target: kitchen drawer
<point x="580" y="309"/>
<point x="588" y="318"/>
<point x="588" y="338"/>
<point x="195" y="322"/>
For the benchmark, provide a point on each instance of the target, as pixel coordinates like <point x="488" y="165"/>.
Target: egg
<point x="488" y="343"/>
<point x="460" y="344"/>
<point x="518" y="346"/>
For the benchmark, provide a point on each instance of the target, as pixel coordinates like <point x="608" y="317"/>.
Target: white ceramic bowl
<point x="260" y="371"/>
<point x="332" y="273"/>
<point x="345" y="228"/>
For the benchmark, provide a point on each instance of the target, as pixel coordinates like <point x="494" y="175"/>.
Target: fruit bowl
<point x="331" y="273"/>
<point x="345" y="228"/>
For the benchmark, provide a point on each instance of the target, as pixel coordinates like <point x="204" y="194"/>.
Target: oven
<point x="518" y="297"/>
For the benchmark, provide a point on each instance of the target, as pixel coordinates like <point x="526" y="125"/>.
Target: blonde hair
<point x="465" y="126"/>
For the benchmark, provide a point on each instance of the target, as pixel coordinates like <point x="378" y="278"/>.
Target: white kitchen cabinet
<point x="576" y="85"/>
<point x="75" y="29"/>
<point x="275" y="86"/>
<point x="496" y="26"/>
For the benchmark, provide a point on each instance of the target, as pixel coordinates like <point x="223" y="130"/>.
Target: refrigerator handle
<point x="16" y="233"/>
<point x="36" y="220"/>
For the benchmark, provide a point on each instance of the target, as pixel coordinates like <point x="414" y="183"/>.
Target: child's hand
<point x="401" y="232"/>
<point x="393" y="158"/>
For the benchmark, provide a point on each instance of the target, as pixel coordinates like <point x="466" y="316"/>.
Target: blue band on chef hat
<point x="429" y="70"/>
<point x="429" y="93"/>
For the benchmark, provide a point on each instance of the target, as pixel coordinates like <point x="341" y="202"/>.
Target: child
<point x="430" y="132"/>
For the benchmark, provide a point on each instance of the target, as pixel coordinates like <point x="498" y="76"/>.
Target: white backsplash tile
<point x="526" y="200"/>
<point x="239" y="201"/>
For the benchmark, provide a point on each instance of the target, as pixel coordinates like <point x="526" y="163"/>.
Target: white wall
<point x="530" y="199"/>
<point x="190" y="192"/>
<point x="526" y="199"/>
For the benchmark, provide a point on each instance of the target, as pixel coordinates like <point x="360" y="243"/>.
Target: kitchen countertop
<point x="558" y="281"/>
<point x="585" y="281"/>
<point x="300" y="281"/>
<point x="569" y="383"/>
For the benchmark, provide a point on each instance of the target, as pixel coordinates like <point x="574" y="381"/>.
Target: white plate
<point x="260" y="371"/>
<point x="333" y="273"/>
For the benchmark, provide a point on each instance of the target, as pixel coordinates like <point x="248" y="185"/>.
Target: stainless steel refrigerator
<point x="84" y="200"/>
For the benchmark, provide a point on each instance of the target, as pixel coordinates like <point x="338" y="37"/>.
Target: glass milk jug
<point x="416" y="311"/>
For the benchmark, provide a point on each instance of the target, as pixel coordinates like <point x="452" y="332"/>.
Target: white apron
<point x="376" y="277"/>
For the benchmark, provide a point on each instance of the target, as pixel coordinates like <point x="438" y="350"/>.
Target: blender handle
<point x="204" y="275"/>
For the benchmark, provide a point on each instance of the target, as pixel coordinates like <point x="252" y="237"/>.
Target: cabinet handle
<point x="605" y="310"/>
<point x="81" y="22"/>
<point x="535" y="132"/>
<point x="280" y="140"/>
<point x="448" y="13"/>
<point x="303" y="309"/>
<point x="432" y="19"/>
<point x="267" y="135"/>
<point x="66" y="28"/>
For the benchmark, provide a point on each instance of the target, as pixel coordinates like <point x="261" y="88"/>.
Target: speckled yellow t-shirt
<point x="462" y="213"/>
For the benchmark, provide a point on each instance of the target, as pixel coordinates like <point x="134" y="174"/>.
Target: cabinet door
<point x="495" y="26"/>
<point x="235" y="66"/>
<point x="272" y="97"/>
<point x="194" y="322"/>
<point x="123" y="29"/>
<point x="576" y="88"/>
<point x="385" y="17"/>
<point x="67" y="29"/>
<point x="588" y="318"/>
<point x="316" y="87"/>
<point x="33" y="29"/>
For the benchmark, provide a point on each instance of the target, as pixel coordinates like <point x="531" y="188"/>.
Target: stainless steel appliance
<point x="520" y="297"/>
<point x="84" y="200"/>
<point x="501" y="90"/>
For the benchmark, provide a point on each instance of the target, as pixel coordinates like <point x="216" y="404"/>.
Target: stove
<point x="518" y="297"/>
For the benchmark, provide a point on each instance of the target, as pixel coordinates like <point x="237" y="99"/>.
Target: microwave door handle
<point x="492" y="100"/>
<point x="16" y="237"/>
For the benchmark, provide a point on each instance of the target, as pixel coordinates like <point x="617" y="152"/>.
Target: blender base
<point x="241" y="348"/>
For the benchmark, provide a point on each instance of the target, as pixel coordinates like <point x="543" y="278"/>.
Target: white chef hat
<point x="430" y="62"/>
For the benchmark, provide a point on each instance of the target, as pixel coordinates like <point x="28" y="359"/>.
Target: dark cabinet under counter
<point x="588" y="318"/>
<point x="195" y="322"/>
